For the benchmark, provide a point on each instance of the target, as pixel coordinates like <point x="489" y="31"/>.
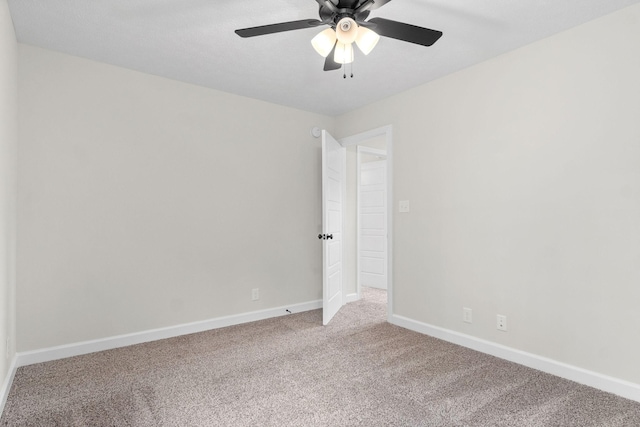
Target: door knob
<point x="325" y="236"/>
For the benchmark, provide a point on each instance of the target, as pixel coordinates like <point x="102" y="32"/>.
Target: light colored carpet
<point x="292" y="371"/>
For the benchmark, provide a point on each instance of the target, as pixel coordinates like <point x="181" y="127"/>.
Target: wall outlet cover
<point x="501" y="322"/>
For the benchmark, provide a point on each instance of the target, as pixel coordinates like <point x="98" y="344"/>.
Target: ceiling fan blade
<point x="405" y="32"/>
<point x="329" y="63"/>
<point x="278" y="28"/>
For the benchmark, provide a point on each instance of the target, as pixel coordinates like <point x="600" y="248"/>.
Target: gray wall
<point x="523" y="175"/>
<point x="146" y="202"/>
<point x="8" y="156"/>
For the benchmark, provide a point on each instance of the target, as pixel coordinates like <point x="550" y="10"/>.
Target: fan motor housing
<point x="332" y="18"/>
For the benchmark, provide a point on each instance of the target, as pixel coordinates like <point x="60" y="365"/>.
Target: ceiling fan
<point x="348" y="24"/>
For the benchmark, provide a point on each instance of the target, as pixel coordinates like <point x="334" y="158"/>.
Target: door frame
<point x="387" y="133"/>
<point x="377" y="152"/>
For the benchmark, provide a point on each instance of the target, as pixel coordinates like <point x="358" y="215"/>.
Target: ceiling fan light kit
<point x="324" y="42"/>
<point x="366" y="40"/>
<point x="347" y="30"/>
<point x="343" y="53"/>
<point x="347" y="19"/>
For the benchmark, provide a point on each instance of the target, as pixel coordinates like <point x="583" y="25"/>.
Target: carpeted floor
<point x="292" y="371"/>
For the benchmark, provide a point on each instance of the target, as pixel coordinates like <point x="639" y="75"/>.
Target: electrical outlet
<point x="467" y="315"/>
<point x="501" y="322"/>
<point x="255" y="294"/>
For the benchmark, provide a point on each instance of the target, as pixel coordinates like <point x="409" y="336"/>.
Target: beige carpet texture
<point x="292" y="371"/>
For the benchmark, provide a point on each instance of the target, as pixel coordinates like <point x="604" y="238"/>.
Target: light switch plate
<point x="404" y="206"/>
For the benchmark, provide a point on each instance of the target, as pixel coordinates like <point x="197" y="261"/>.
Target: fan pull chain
<point x="344" y="70"/>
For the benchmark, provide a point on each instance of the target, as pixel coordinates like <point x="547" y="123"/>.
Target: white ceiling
<point x="193" y="41"/>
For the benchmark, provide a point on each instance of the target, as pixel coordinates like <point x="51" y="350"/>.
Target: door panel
<point x="371" y="222"/>
<point x="372" y="199"/>
<point x="333" y="181"/>
<point x="372" y="243"/>
<point x="372" y="248"/>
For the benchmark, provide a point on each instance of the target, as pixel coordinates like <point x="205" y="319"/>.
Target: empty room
<point x="319" y="213"/>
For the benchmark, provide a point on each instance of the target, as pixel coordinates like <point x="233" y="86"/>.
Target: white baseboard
<point x="606" y="383"/>
<point x="602" y="382"/>
<point x="383" y="287"/>
<point x="86" y="347"/>
<point x="352" y="297"/>
<point x="6" y="385"/>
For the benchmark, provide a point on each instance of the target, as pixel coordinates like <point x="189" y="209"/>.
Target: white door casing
<point x="333" y="190"/>
<point x="372" y="222"/>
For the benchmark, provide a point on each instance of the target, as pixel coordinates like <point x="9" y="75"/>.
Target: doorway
<point x="369" y="147"/>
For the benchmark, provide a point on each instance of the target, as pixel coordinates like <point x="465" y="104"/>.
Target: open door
<point x="333" y="188"/>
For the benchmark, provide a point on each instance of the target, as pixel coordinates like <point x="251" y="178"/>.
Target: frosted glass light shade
<point x="346" y="30"/>
<point x="324" y="41"/>
<point x="366" y="40"/>
<point x="343" y="53"/>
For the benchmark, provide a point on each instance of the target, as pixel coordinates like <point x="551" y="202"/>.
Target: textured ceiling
<point x="193" y="41"/>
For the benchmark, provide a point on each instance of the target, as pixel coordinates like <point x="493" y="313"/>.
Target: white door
<point x="372" y="221"/>
<point x="333" y="188"/>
